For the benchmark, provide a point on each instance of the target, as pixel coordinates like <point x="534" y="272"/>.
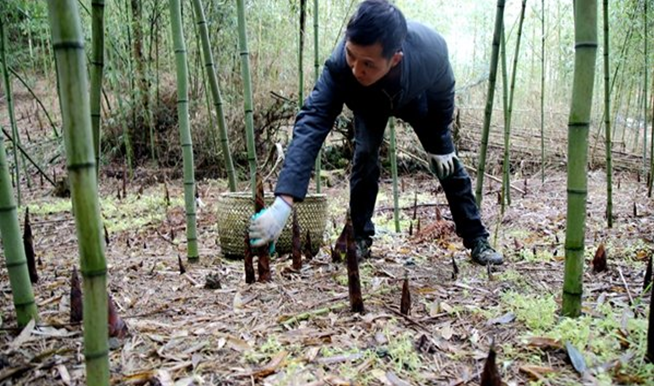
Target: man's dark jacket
<point x="423" y="96"/>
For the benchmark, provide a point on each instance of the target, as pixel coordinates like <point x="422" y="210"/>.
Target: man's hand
<point x="443" y="165"/>
<point x="267" y="225"/>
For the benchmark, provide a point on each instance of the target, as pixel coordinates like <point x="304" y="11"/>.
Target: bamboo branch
<point x="45" y="111"/>
<point x="422" y="161"/>
<point x="29" y="158"/>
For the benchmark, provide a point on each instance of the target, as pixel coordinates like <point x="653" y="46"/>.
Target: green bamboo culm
<point x="396" y="191"/>
<point x="10" y="104"/>
<point x="651" y="151"/>
<point x="585" y="17"/>
<point x="488" y="111"/>
<point x="316" y="49"/>
<point x="68" y="44"/>
<point x="607" y="118"/>
<point x="651" y="166"/>
<point x="184" y="129"/>
<point x="247" y="95"/>
<point x="97" y="67"/>
<point x="507" y="131"/>
<point x="505" y="106"/>
<point x="645" y="69"/>
<point x="215" y="92"/>
<point x="15" y="259"/>
<point x="650" y="329"/>
<point x="300" y="56"/>
<point x="316" y="75"/>
<point x="542" y="92"/>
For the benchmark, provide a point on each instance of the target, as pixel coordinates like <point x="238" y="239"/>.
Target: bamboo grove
<point x="216" y="65"/>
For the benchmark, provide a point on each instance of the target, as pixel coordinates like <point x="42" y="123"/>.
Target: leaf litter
<point x="298" y="329"/>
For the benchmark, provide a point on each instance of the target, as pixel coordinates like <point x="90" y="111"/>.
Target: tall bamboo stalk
<point x="215" y="92"/>
<point x="499" y="22"/>
<point x="316" y="50"/>
<point x="184" y="128"/>
<point x="68" y="43"/>
<point x="651" y="153"/>
<point x="585" y="16"/>
<point x="646" y="68"/>
<point x="396" y="192"/>
<point x="505" y="107"/>
<point x="639" y="104"/>
<point x="97" y="67"/>
<point x="316" y="75"/>
<point x="507" y="131"/>
<point x="630" y="95"/>
<point x="15" y="259"/>
<point x="616" y="72"/>
<point x="247" y="95"/>
<point x="300" y="56"/>
<point x="542" y="92"/>
<point x="10" y="104"/>
<point x="607" y="118"/>
<point x="650" y="329"/>
<point x="142" y="100"/>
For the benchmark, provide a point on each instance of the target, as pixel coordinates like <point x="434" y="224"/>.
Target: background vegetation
<point x="140" y="77"/>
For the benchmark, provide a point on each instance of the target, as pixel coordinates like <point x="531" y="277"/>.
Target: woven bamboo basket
<point x="235" y="210"/>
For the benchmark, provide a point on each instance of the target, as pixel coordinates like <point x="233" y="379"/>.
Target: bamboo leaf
<point x="576" y="358"/>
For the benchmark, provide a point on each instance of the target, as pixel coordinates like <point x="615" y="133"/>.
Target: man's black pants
<point x="364" y="185"/>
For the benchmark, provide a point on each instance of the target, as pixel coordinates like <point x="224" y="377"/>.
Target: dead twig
<point x="422" y="161"/>
<point x="626" y="286"/>
<point x="287" y="320"/>
<point x="407" y="318"/>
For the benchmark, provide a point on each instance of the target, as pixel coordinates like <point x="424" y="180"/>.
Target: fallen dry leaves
<point x="299" y="327"/>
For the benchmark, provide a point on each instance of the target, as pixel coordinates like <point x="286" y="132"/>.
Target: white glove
<point x="443" y="165"/>
<point x="267" y="225"/>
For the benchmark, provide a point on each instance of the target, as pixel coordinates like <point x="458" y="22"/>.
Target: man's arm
<point x="440" y="95"/>
<point x="312" y="125"/>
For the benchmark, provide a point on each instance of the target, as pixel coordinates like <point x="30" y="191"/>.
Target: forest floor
<point x="298" y="329"/>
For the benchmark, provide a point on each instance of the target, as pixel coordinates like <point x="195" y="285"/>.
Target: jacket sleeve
<point x="314" y="121"/>
<point x="440" y="99"/>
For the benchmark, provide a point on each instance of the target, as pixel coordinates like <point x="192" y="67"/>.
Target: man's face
<point x="367" y="62"/>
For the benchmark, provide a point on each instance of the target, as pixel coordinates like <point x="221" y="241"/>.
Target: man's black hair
<point x="377" y="21"/>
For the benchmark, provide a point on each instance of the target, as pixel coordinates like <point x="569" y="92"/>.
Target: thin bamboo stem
<point x="607" y="118"/>
<point x="542" y="94"/>
<point x="215" y="92"/>
<point x="499" y="22"/>
<point x="97" y="67"/>
<point x="10" y="105"/>
<point x="396" y="193"/>
<point x="316" y="75"/>
<point x="68" y="43"/>
<point x="247" y="86"/>
<point x="184" y="129"/>
<point x="507" y="134"/>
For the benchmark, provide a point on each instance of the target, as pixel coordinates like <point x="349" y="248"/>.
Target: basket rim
<point x="243" y="194"/>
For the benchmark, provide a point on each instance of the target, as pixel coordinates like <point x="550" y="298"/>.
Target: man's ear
<point x="397" y="57"/>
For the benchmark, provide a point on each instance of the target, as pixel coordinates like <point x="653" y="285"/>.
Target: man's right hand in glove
<point x="267" y="225"/>
<point x="443" y="165"/>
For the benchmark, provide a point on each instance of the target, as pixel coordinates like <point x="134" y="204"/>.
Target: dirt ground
<point x="298" y="330"/>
